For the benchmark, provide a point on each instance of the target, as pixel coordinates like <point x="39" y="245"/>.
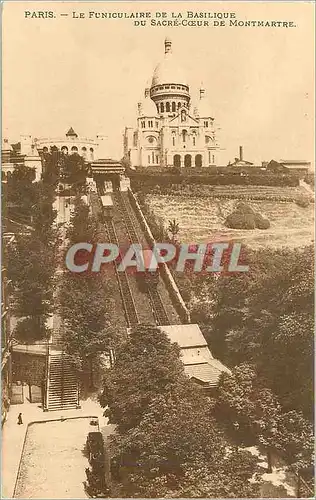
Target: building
<point x="171" y="131"/>
<point x="28" y="151"/>
<point x="297" y="167"/>
<point x="240" y="162"/>
<point x="196" y="357"/>
<point x="71" y="142"/>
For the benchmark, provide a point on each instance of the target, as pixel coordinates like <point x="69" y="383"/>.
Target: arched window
<point x="162" y="107"/>
<point x="153" y="157"/>
<point x="177" y="161"/>
<point x="173" y="140"/>
<point x="179" y="105"/>
<point x="45" y="149"/>
<point x="198" y="161"/>
<point x="213" y="159"/>
<point x="91" y="153"/>
<point x="167" y="107"/>
<point x="173" y="107"/>
<point x="74" y="149"/>
<point x="184" y="135"/>
<point x="187" y="161"/>
<point x="148" y="159"/>
<point x="64" y="150"/>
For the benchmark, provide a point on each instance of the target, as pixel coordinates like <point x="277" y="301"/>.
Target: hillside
<point x="202" y="219"/>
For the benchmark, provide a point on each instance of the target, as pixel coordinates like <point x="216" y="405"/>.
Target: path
<point x="13" y="434"/>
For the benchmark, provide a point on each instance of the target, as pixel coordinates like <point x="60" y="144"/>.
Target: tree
<point x="243" y="400"/>
<point x="31" y="267"/>
<point x="263" y="317"/>
<point x="147" y="365"/>
<point x="173" y="228"/>
<point x="85" y="301"/>
<point x="166" y="444"/>
<point x="248" y="410"/>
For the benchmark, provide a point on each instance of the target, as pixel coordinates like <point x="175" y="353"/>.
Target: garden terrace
<point x="269" y="193"/>
<point x="167" y="177"/>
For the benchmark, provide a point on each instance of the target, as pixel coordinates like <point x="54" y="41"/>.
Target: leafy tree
<point x="19" y="194"/>
<point x="73" y="170"/>
<point x="147" y="365"/>
<point x="85" y="300"/>
<point x="248" y="409"/>
<point x="167" y="444"/>
<point x="173" y="228"/>
<point x="263" y="317"/>
<point x="31" y="267"/>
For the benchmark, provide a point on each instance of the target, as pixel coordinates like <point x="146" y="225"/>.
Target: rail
<point x="130" y="311"/>
<point x="159" y="311"/>
<point x="45" y="396"/>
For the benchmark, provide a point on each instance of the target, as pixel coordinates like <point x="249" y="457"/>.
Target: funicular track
<point x="130" y="311"/>
<point x="159" y="311"/>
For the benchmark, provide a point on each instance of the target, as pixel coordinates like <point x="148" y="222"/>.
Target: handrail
<point x="47" y="377"/>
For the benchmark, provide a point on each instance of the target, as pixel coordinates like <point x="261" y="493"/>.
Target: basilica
<point x="171" y="131"/>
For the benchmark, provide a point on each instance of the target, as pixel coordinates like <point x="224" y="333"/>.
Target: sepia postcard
<point x="157" y="307"/>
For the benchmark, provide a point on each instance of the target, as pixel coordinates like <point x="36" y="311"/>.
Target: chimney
<point x="241" y="153"/>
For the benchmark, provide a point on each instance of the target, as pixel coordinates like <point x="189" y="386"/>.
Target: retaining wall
<point x="165" y="273"/>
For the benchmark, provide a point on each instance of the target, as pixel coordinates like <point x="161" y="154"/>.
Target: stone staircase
<point x="62" y="391"/>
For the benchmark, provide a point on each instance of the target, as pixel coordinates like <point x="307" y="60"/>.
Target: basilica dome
<point x="168" y="71"/>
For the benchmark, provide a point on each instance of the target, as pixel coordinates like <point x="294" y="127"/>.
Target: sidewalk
<point x="13" y="435"/>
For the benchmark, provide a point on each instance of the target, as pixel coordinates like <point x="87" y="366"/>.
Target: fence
<point x="166" y="275"/>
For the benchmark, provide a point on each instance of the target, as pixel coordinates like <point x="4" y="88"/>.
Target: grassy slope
<point x="201" y="219"/>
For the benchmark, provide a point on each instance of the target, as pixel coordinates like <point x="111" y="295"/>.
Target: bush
<point x="96" y="484"/>
<point x="261" y="222"/>
<point x="244" y="217"/>
<point x="30" y="329"/>
<point x="303" y="202"/>
<point x="238" y="220"/>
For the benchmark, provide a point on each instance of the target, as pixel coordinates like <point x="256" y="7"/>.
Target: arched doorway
<point x="198" y="161"/>
<point x="187" y="161"/>
<point x="177" y="161"/>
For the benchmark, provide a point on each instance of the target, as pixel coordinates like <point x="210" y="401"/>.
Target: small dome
<point x="167" y="70"/>
<point x="147" y="107"/>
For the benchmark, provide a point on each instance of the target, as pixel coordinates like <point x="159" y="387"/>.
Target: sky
<point x="90" y="73"/>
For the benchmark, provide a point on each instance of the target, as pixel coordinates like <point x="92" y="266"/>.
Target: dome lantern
<point x="169" y="89"/>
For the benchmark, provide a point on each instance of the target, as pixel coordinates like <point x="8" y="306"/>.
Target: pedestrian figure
<point x="20" y="421"/>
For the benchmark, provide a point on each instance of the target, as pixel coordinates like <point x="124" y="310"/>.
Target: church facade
<point x="171" y="131"/>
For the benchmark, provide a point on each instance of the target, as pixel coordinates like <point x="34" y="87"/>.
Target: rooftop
<point x="185" y="335"/>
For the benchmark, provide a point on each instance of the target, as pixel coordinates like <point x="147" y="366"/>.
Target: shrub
<point x="244" y="217"/>
<point x="244" y="208"/>
<point x="302" y="201"/>
<point x="237" y="220"/>
<point x="261" y="222"/>
<point x="30" y="329"/>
